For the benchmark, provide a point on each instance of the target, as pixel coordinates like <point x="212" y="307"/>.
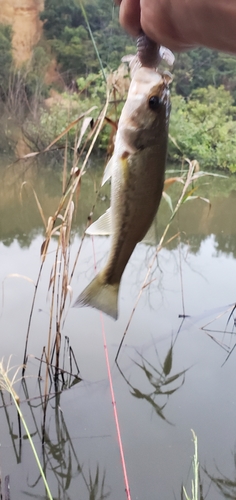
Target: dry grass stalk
<point x="61" y="276"/>
<point x="6" y="384"/>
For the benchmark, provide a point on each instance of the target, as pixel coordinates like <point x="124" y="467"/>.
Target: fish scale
<point x="137" y="170"/>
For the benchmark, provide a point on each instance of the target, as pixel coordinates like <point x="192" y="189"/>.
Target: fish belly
<point x="136" y="194"/>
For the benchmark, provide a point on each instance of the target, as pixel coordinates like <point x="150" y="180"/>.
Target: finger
<point x="130" y="16"/>
<point x="158" y="22"/>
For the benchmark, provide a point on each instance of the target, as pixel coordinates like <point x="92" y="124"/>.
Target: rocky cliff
<point x="23" y="15"/>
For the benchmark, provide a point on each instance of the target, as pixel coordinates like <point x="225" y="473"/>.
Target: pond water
<point x="176" y="369"/>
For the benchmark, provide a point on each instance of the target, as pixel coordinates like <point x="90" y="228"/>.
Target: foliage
<point x="25" y="88"/>
<point x="21" y="88"/>
<point x="5" y="57"/>
<point x="204" y="128"/>
<point x="66" y="30"/>
<point x="204" y="88"/>
<point x="203" y="67"/>
<point x="57" y="15"/>
<point x="75" y="53"/>
<point x="35" y="72"/>
<point x="51" y="122"/>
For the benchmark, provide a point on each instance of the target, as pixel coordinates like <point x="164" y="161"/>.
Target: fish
<point x="137" y="170"/>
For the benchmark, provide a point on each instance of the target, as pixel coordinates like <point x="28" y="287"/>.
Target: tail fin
<point x="100" y="295"/>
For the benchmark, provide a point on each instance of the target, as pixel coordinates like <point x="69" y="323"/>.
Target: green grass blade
<point x="7" y="385"/>
<point x="93" y="40"/>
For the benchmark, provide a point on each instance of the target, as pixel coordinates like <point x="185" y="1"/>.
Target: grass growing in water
<point x="195" y="481"/>
<point x="7" y="385"/>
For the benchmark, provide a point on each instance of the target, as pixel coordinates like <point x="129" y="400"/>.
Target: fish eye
<point x="154" y="102"/>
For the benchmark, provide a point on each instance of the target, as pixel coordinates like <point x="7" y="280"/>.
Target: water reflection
<point x="15" y="437"/>
<point x="20" y="219"/>
<point x="60" y="460"/>
<point x="62" y="368"/>
<point x="80" y="452"/>
<point x="160" y="381"/>
<point x="60" y="457"/>
<point x="225" y="485"/>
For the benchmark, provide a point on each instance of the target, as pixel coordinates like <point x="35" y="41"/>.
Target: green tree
<point x="75" y="52"/>
<point x="57" y="15"/>
<point x="66" y="30"/>
<point x="202" y="67"/>
<point x="204" y="128"/>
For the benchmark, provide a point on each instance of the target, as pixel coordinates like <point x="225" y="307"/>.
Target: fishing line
<point x="123" y="463"/>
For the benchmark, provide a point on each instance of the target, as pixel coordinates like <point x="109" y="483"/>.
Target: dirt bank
<point x="23" y="15"/>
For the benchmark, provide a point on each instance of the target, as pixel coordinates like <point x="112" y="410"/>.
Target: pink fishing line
<point x="126" y="481"/>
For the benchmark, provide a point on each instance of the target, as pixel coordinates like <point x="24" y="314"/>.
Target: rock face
<point x="23" y="15"/>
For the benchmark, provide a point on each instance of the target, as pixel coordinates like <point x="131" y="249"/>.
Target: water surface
<point x="193" y="276"/>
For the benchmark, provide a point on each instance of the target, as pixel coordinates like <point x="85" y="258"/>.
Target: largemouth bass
<point x="137" y="176"/>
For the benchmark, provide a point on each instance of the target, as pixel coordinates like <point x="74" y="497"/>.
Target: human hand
<point x="181" y="24"/>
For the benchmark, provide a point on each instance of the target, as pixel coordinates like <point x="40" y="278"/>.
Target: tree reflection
<point x="225" y="244"/>
<point x="161" y="381"/>
<point x="20" y="219"/>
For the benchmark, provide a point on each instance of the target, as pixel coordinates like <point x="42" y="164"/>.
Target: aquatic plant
<point x="195" y="466"/>
<point x="6" y="384"/>
<point x="59" y="224"/>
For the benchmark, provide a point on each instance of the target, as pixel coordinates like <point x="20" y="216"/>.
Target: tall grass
<point x="59" y="224"/>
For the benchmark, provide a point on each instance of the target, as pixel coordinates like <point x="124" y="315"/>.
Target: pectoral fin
<point x="101" y="226"/>
<point x="107" y="171"/>
<point x="167" y="55"/>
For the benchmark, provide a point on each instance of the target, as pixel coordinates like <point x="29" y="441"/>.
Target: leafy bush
<point x="64" y="108"/>
<point x="202" y="67"/>
<point x="205" y="128"/>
